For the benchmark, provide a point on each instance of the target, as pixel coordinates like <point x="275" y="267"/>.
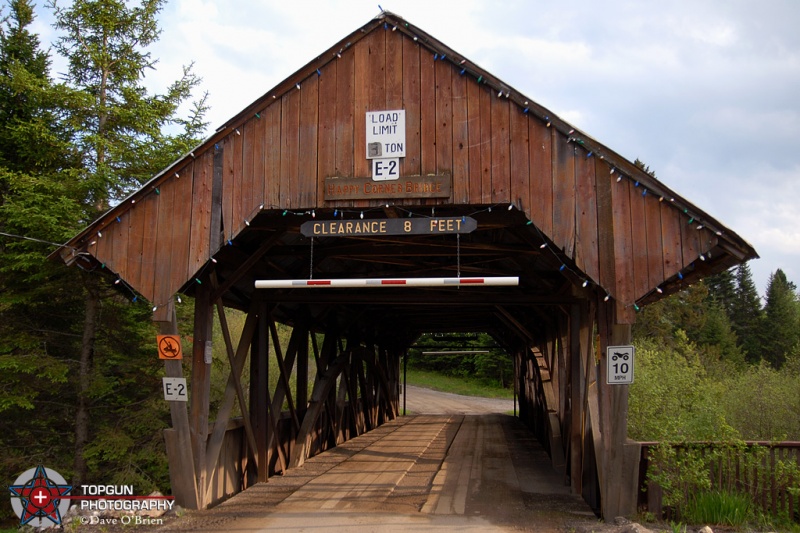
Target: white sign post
<point x="619" y="365"/>
<point x="175" y="389"/>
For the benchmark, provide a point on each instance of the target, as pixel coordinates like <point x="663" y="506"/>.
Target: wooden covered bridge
<point x="392" y="157"/>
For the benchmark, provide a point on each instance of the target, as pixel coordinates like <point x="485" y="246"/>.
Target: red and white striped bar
<point x="372" y="283"/>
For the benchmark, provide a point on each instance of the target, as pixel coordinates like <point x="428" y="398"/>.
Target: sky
<point x="705" y="92"/>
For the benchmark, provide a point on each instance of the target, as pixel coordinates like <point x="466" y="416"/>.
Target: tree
<point x="120" y="136"/>
<point x="38" y="184"/>
<point x="722" y="289"/>
<point x="746" y="314"/>
<point x="781" y="321"/>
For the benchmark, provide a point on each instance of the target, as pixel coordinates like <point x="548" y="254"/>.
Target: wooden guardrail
<point x="767" y="471"/>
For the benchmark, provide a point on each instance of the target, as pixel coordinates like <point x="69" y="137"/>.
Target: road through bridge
<point x="469" y="470"/>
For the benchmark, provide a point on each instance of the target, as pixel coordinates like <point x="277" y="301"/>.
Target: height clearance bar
<point x="402" y="282"/>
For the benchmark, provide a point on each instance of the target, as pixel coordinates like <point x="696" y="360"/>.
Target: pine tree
<point x="781" y="322"/>
<point x="122" y="142"/>
<point x="746" y="314"/>
<point x="37" y="207"/>
<point x="722" y="289"/>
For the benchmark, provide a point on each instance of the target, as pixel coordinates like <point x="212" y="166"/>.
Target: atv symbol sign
<point x="619" y="365"/>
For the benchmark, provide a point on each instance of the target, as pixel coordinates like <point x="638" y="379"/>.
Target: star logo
<point x="38" y="497"/>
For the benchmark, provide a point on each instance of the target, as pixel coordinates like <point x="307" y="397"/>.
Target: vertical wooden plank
<point x="638" y="249"/>
<point x="501" y="170"/>
<point x="259" y="384"/>
<point x="564" y="195"/>
<point x="272" y="186"/>
<point x="427" y="85"/>
<point x="624" y="286"/>
<point x="655" y="253"/>
<point x="361" y="86"/>
<point x="690" y="239"/>
<point x="605" y="222"/>
<point x="326" y="142"/>
<point x="150" y="244"/>
<point x="249" y="196"/>
<point x="394" y="70"/>
<point x="541" y="176"/>
<point x="485" y="103"/>
<point x="586" y="254"/>
<point x="256" y="136"/>
<point x="200" y="174"/>
<point x="345" y="109"/>
<point x="103" y="248"/>
<point x="181" y="220"/>
<point x="309" y="126"/>
<point x="376" y="89"/>
<point x="229" y="190"/>
<point x="237" y="178"/>
<point x="475" y="139"/>
<point x="461" y="152"/>
<point x="671" y="239"/>
<point x="164" y="242"/>
<point x="519" y="159"/>
<point x="444" y="118"/>
<point x="411" y="164"/>
<point x="119" y="232"/>
<point x="290" y="139"/>
<point x="135" y="219"/>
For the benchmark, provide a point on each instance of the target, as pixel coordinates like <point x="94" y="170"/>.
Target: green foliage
<point x="719" y="508"/>
<point x="464" y="386"/>
<point x="781" y="326"/>
<point x="494" y="366"/>
<point x="746" y="314"/>
<point x="720" y="482"/>
<point x="671" y="397"/>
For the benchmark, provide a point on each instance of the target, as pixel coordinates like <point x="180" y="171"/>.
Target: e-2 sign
<point x="619" y="365"/>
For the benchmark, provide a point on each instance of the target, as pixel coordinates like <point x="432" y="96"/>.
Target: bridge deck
<point x="474" y="472"/>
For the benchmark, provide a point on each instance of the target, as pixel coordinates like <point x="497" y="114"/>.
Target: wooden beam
<point x="322" y="388"/>
<point x="259" y="392"/>
<point x="619" y="494"/>
<point x="178" y="439"/>
<point x="249" y="434"/>
<point x="285" y="369"/>
<point x="224" y="413"/>
<point x="201" y="385"/>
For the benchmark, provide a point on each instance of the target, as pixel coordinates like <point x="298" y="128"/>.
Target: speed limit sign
<point x="619" y="365"/>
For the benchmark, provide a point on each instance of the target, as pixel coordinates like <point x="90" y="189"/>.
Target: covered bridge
<point x="392" y="157"/>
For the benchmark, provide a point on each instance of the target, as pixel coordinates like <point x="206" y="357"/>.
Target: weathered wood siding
<point x="619" y="238"/>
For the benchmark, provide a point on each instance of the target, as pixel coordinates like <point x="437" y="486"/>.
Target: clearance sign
<point x="388" y="226"/>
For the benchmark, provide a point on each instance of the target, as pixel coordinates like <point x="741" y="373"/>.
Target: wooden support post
<point x="201" y="385"/>
<point x="302" y="369"/>
<point x="223" y="415"/>
<point x="621" y="479"/>
<point x="259" y="383"/>
<point x="577" y="317"/>
<point x="178" y="440"/>
<point x="250" y="436"/>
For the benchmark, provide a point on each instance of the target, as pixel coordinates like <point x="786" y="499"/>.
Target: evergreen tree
<point x="37" y="207"/>
<point x="722" y="289"/>
<point x="781" y="321"/>
<point x="122" y="142"/>
<point x="746" y="314"/>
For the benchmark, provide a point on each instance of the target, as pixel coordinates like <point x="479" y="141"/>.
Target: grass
<point x="719" y="508"/>
<point x="463" y="386"/>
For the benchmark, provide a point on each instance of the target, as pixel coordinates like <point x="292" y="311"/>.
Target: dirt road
<point x="430" y="402"/>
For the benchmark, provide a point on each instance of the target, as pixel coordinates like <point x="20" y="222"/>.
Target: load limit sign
<point x="386" y="142"/>
<point x="619" y="365"/>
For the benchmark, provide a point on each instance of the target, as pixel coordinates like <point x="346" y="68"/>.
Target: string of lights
<point x="637" y="177"/>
